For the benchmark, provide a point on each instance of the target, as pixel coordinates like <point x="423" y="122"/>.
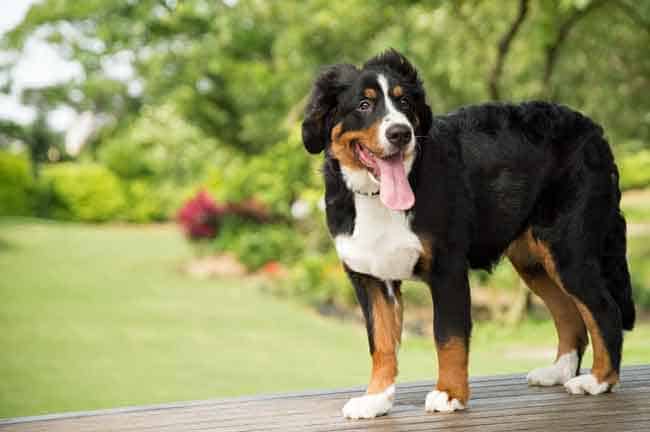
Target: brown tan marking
<point x="370" y="93"/>
<point x="387" y="335"/>
<point x="602" y="365"/>
<point x="426" y="257"/>
<point x="343" y="144"/>
<point x="571" y="331"/>
<point x="397" y="91"/>
<point x="452" y="369"/>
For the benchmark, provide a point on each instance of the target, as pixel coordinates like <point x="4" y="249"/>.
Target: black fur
<point x="482" y="176"/>
<point x="332" y="81"/>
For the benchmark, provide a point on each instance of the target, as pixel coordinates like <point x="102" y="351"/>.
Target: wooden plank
<point x="308" y="409"/>
<point x="499" y="403"/>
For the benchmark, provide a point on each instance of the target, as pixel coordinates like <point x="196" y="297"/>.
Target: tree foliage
<point x="239" y="70"/>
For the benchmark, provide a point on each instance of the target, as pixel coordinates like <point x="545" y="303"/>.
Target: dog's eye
<point x="364" y="105"/>
<point x="405" y="102"/>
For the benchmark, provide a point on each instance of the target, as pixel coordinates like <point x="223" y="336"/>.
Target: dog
<point x="410" y="195"/>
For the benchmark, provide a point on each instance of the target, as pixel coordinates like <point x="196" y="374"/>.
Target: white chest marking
<point x="382" y="243"/>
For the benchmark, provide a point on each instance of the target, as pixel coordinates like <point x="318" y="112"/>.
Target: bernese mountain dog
<point x="410" y="195"/>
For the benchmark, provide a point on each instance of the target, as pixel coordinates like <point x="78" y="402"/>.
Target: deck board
<point x="498" y="404"/>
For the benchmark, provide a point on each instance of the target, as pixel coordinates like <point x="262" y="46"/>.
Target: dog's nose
<point x="398" y="135"/>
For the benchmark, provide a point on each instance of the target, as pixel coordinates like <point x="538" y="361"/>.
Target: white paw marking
<point x="586" y="384"/>
<point x="370" y="405"/>
<point x="439" y="401"/>
<point x="559" y="373"/>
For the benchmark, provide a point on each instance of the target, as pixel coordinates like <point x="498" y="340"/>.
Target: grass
<point x="98" y="317"/>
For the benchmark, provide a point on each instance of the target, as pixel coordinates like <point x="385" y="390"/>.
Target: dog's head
<point x="369" y="119"/>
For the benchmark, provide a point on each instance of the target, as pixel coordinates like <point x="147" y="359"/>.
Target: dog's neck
<point x="359" y="181"/>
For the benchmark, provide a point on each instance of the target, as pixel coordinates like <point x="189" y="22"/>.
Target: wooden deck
<point x="501" y="403"/>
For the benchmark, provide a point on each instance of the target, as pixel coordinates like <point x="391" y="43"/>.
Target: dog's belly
<point x="382" y="243"/>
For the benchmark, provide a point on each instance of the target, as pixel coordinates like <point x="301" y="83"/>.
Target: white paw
<point x="559" y="373"/>
<point x="584" y="384"/>
<point x="439" y="401"/>
<point x="370" y="405"/>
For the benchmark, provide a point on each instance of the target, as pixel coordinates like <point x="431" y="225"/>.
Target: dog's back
<point x="535" y="164"/>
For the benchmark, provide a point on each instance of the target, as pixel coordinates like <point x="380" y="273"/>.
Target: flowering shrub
<point x="200" y="217"/>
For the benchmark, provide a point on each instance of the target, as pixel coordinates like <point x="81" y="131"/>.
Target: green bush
<point x="144" y="203"/>
<point x="16" y="185"/>
<point x="255" y="244"/>
<point x="634" y="170"/>
<point x="84" y="192"/>
<point x="320" y="279"/>
<point x="159" y="146"/>
<point x="275" y="178"/>
<point x="639" y="262"/>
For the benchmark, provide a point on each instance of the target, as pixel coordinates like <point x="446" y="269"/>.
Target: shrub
<point x="639" y="264"/>
<point x="256" y="244"/>
<point x="200" y="217"/>
<point x="634" y="170"/>
<point x="159" y="146"/>
<point x="16" y="185"/>
<point x="84" y="192"/>
<point x="145" y="203"/>
<point x="275" y="178"/>
<point x="320" y="279"/>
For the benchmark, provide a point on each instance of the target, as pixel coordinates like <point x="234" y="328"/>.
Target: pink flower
<point x="200" y="217"/>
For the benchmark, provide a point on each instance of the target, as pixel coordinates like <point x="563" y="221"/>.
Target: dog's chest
<point x="382" y="243"/>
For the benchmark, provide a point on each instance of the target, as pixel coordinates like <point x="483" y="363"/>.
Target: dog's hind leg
<point x="602" y="317"/>
<point x="381" y="302"/>
<point x="570" y="328"/>
<point x="583" y="281"/>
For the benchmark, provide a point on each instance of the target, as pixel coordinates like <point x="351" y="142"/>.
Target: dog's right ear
<point x="322" y="103"/>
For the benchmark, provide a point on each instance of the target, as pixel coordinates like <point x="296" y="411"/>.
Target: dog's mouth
<point x="394" y="189"/>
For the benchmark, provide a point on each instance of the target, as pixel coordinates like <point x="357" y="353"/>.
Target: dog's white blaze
<point x="439" y="401"/>
<point x="382" y="243"/>
<point x="559" y="373"/>
<point x="370" y="405"/>
<point x="393" y="116"/>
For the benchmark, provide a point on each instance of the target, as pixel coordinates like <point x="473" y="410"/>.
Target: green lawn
<point x="97" y="317"/>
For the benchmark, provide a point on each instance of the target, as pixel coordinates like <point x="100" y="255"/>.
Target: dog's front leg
<point x="381" y="302"/>
<point x="452" y="328"/>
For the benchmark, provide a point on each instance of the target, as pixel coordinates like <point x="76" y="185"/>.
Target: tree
<point x="240" y="70"/>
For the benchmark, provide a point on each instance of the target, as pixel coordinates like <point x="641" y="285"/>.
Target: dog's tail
<point x="589" y="147"/>
<point x="615" y="270"/>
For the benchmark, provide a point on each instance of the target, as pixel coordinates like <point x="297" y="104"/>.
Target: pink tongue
<point x="394" y="190"/>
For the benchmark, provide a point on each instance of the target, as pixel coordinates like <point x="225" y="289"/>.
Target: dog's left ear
<point x="322" y="102"/>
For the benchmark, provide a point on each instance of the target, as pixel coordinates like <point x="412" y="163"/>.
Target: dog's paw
<point x="586" y="384"/>
<point x="559" y="373"/>
<point x="439" y="401"/>
<point x="370" y="405"/>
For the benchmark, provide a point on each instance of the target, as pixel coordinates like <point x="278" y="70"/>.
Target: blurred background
<point x="161" y="229"/>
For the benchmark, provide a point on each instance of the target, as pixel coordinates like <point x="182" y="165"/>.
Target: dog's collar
<point x="369" y="194"/>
